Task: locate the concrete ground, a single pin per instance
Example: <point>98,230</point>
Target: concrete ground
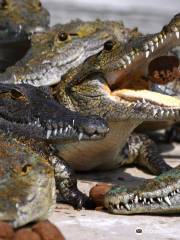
<point>86,225</point>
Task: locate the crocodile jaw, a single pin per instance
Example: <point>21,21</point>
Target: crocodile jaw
<point>156,196</point>
<point>99,155</point>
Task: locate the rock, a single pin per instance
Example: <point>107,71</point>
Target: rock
<point>98,192</point>
<point>26,234</point>
<point>6,230</point>
<point>47,231</point>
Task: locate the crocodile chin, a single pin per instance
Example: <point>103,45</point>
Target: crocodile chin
<point>158,196</point>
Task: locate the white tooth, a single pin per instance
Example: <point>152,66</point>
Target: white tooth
<point>166,199</point>
<point>66,130</point>
<point>121,207</point>
<point>159,199</point>
<point>144,200</point>
<point>157,44</point>
<point>147,54</point>
<point>155,111</point>
<point>73,122</point>
<point>152,48</point>
<point>80,136</point>
<point>127,207</point>
<point>124,66</point>
<point>48,133</point>
<point>177,190</point>
<point>60,130</point>
<point>128,59</point>
<point>162,40</point>
<point>146,47</point>
<point>151,200</point>
<point>177,34</point>
<point>162,112</point>
<point>55,132</point>
<point>136,199</point>
<point>122,61</point>
<point>117,205</point>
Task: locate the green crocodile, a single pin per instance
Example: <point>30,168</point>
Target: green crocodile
<point>62,47</point>
<point>98,83</point>
<point>28,167</point>
<point>18,20</point>
<point>102,85</point>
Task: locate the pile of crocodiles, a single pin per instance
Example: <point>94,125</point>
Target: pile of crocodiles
<point>72,100</point>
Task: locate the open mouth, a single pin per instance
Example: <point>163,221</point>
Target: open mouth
<point>144,65</point>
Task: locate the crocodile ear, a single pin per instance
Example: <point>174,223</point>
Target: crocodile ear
<point>46,90</point>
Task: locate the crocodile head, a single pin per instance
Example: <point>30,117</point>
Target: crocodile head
<point>17,16</point>
<point>63,47</point>
<point>31,112</point>
<point>109,84</point>
<point>160,196</point>
<point>27,186</point>
<point>18,20</point>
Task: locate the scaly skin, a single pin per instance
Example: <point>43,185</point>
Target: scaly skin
<point>22,117</point>
<point>55,122</point>
<point>90,88</point>
<point>160,195</point>
<point>27,187</point>
<point>102,85</point>
<point>18,20</point>
<point>63,47</point>
<point>22,15</point>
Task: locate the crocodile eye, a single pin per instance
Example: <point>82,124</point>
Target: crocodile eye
<point>26,169</point>
<point>62,36</point>
<point>16,95</point>
<point>3,4</point>
<point>36,4</point>
<point>108,45</point>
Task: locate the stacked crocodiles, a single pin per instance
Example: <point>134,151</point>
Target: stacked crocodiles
<point>71,99</point>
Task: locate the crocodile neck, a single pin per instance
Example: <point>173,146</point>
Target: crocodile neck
<point>102,154</point>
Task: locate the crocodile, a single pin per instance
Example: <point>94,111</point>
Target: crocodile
<point>62,47</point>
<point>19,19</point>
<point>28,164</point>
<point>107,86</point>
<point>160,195</point>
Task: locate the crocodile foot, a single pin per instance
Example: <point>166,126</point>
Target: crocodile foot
<point>77,199</point>
<point>156,196</point>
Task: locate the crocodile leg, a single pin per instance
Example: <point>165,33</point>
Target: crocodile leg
<point>173,134</point>
<point>143,152</point>
<point>66,184</point>
<point>159,196</point>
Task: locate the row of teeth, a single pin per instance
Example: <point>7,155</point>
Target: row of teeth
<point>146,201</point>
<point>58,131</point>
<point>158,110</point>
<point>149,47</point>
